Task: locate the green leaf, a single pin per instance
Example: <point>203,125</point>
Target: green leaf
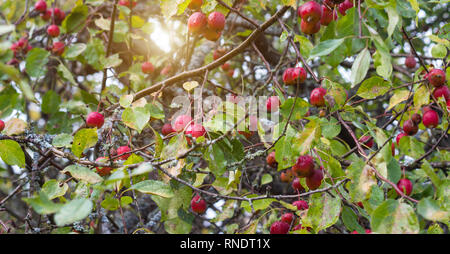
<point>394,217</point>
<point>350,220</point>
<point>411,146</point>
<point>50,102</point>
<point>373,87</point>
<point>136,118</point>
<point>83,174</point>
<point>394,170</point>
<point>35,62</point>
<point>303,143</point>
<point>426,166</point>
<point>360,67</point>
<point>305,45</point>
<point>259,204</point>
<point>66,74</point>
<point>323,212</point>
<point>76,19</point>
<point>422,96</point>
<point>430,210</point>
<point>266,178</point>
<point>393,19</point>
<point>4,29</point>
<point>73,211</point>
<point>439,51</point>
<point>399,96</point>
<point>62,140</point>
<point>111,61</point>
<point>154,188</point>
<point>300,109</point>
<point>11,153</point>
<point>74,50</point>
<point>325,48</point>
<point>362,180</point>
<point>84,139</point>
<point>216,159</point>
<point>42,204</point>
<point>52,189</point>
<point>126,100</point>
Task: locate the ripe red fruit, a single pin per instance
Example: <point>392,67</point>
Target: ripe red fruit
<point>410,128</point>
<point>195,130</point>
<point>103,171</point>
<point>181,121</point>
<point>147,67</point>
<point>304,166</point>
<point>363,140</point>
<point>288,218</point>
<point>327,15</point>
<point>393,148</point>
<point>58,48</point>
<point>13,62</point>
<point>59,15</point>
<point>270,159</point>
<point>293,76</point>
<point>301,204</point>
<point>127,3</point>
<point>416,118</point>
<point>123,152</point>
<point>230,73</point>
<point>46,15</point>
<point>198,205</point>
<point>313,182</point>
<point>430,119</point>
<point>211,35</point>
<point>360,204</point>
<point>343,7</point>
<point>436,77</point>
<point>246,134</point>
<point>286,176</point>
<point>317,97</point>
<point>309,28</point>
<point>53,30</point>
<point>410,62</point>
<point>197,22</point>
<point>425,109</point>
<point>2,125</point>
<point>195,4</point>
<point>279,227</point>
<point>166,70</point>
<point>296,185</point>
<point>400,136</point>
<point>441,91</point>
<point>368,231</point>
<point>354,232</point>
<point>40,6</point>
<point>225,66</point>
<point>310,12</point>
<point>272,104</point>
<point>167,129</point>
<point>218,53</point>
<point>216,21</point>
<point>95,119</point>
<point>404,185</point>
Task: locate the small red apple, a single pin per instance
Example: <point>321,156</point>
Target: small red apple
<point>309,28</point>
<point>58,48</point>
<point>410,62</point>
<point>198,205</point>
<point>441,91</point>
<point>180,122</point>
<point>410,128</point>
<point>315,180</point>
<point>195,130</point>
<point>46,15</point>
<point>416,118</point>
<point>123,152</point>
<point>147,68</point>
<point>286,176</point>
<point>293,76</point>
<point>216,21</point>
<point>271,161</point>
<point>53,30</point>
<point>40,6</point>
<point>197,22</point>
<point>430,119</point>
<point>211,35</point>
<point>279,227</point>
<point>317,97</point>
<point>304,166</point>
<point>272,104</point>
<point>2,125</point>
<point>436,77</point>
<point>296,185</point>
<point>288,218</point>
<point>301,204</point>
<point>405,185</point>
<point>400,136</point>
<point>343,7</point>
<point>310,12</point>
<point>103,171</point>
<point>327,15</point>
<point>95,119</point>
<point>167,129</point>
<point>363,140</point>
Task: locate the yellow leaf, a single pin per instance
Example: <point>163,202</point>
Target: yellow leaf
<point>15,126</point>
<point>399,96</point>
<point>188,86</point>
